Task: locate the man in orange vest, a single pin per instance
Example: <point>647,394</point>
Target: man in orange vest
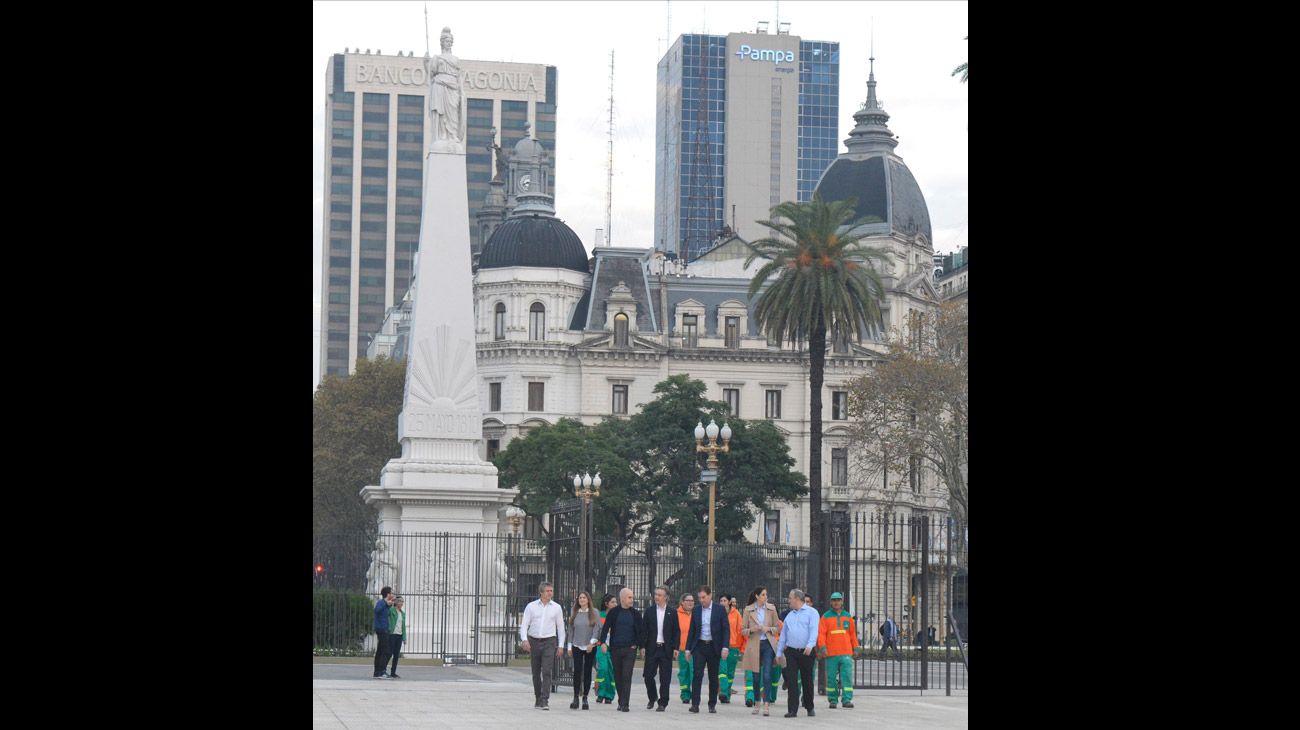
<point>728,671</point>
<point>836,638</point>
<point>685,668</point>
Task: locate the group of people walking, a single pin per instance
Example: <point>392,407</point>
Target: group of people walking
<point>704,636</point>
<point>390,627</point>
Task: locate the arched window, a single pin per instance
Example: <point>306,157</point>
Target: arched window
<point>537,322</point>
<point>499,326</point>
<point>620,330</point>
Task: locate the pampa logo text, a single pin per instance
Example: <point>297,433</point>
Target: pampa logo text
<point>755,54</point>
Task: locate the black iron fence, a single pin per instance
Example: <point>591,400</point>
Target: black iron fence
<point>465,593</point>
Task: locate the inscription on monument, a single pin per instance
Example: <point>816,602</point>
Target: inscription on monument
<point>427,423</point>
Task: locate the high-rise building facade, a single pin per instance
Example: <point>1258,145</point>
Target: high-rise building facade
<point>375,145</point>
<point>743,122</point>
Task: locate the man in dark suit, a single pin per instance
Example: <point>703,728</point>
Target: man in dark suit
<point>622,634</point>
<point>706,645</point>
<point>889,636</point>
<point>662,635</point>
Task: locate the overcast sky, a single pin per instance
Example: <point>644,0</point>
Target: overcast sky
<point>917,44</point>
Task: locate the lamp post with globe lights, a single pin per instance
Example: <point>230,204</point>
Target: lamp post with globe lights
<point>586,488</point>
<point>516,517</point>
<point>710,473</point>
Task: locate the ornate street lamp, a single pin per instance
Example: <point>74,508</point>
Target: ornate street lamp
<point>710,474</point>
<point>586,488</point>
<point>516,517</point>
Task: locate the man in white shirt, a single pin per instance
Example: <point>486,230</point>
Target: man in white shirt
<point>662,636</point>
<point>542,631</point>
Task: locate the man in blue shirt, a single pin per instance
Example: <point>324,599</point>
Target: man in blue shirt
<point>708,640</point>
<point>799,634</point>
<point>382,651</point>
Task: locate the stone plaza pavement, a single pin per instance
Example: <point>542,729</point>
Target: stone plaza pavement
<point>345,696</point>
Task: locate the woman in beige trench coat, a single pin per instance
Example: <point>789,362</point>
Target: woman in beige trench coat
<point>759,624</point>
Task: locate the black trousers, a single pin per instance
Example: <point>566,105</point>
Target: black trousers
<point>395,648</point>
<point>658,660</point>
<point>582,664</point>
<point>799,671</point>
<point>624,658</point>
<point>382,648</point>
<point>706,655</point>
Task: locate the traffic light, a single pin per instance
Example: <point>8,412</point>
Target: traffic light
<point>913,597</point>
<point>320,571</point>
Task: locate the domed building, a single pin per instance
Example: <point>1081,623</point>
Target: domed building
<point>532,275</point>
<point>871,173</point>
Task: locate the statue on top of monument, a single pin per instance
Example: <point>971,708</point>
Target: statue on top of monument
<point>446,102</point>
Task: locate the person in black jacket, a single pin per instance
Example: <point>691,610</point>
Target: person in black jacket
<point>661,636</point>
<point>622,634</point>
<point>707,645</point>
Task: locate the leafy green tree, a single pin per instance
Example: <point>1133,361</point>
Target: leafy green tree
<point>757,472</point>
<point>354,434</point>
<point>650,471</point>
<point>542,464</point>
<point>823,276</point>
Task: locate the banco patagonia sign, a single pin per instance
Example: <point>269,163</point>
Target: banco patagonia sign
<point>408,76</point>
<point>755,54</point>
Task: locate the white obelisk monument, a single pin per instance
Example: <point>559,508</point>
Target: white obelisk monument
<point>439,484</point>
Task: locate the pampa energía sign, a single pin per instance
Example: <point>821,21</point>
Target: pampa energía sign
<point>757,54</point>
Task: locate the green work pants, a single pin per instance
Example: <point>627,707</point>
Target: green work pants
<point>604,674</point>
<point>839,673</point>
<point>685,675</point>
<point>728,671</point>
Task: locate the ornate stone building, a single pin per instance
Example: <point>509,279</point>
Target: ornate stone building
<point>561,334</point>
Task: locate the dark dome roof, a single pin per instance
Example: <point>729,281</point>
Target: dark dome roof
<point>534,240</point>
<point>884,187</point>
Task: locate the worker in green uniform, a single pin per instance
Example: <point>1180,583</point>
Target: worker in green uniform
<point>685,667</point>
<point>727,673</point>
<point>837,637</point>
<point>605,690</point>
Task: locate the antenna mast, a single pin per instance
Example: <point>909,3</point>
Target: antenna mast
<point>609,160</point>
<point>668,26</point>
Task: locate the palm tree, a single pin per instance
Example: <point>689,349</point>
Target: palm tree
<point>962,68</point>
<point>825,277</point>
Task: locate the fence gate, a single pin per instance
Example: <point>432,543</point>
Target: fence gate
<point>455,587</point>
<point>564,552</point>
<point>903,569</point>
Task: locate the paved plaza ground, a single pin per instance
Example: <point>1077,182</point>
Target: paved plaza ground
<point>345,696</point>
